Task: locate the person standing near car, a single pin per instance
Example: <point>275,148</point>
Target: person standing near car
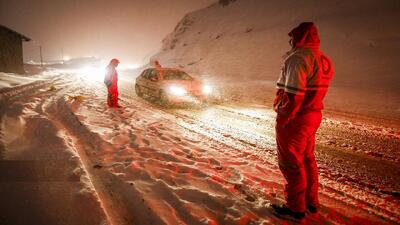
<point>302,86</point>
<point>157,64</point>
<point>111,81</point>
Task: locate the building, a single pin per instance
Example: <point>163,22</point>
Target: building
<point>11,60</point>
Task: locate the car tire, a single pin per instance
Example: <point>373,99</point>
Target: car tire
<point>138,91</point>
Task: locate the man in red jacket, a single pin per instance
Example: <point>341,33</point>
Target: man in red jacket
<point>111,81</point>
<point>302,86</point>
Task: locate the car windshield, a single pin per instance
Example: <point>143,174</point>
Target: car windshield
<point>176,75</point>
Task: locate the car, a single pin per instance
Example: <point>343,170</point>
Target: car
<point>170,85</point>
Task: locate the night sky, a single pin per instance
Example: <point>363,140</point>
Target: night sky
<point>131,30</point>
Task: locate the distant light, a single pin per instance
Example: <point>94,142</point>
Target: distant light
<point>66,58</point>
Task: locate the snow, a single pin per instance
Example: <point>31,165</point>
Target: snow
<point>45,173</point>
<point>83,163</point>
<point>12,80</point>
<point>148,164</point>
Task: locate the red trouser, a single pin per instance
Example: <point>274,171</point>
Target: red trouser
<point>295,144</point>
<point>112,98</point>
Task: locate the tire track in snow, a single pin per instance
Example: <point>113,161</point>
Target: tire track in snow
<point>239,139</point>
<point>362,197</point>
<point>116,196</point>
<point>154,154</point>
<point>54,171</point>
<point>9,95</point>
<point>370,200</point>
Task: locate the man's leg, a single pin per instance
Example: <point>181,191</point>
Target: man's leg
<point>291,144</point>
<point>109,99</point>
<point>311,170</point>
<point>295,188</point>
<point>115,98</point>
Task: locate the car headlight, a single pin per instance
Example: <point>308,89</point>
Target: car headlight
<point>178,91</point>
<point>207,89</point>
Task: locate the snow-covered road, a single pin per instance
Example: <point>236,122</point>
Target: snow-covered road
<point>66,161</point>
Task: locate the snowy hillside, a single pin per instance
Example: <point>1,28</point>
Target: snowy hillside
<point>246,39</point>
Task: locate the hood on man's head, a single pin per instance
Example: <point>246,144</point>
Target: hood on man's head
<point>305,35</point>
<point>114,61</point>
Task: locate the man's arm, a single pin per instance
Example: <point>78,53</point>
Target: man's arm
<point>292,89</point>
<point>289,107</point>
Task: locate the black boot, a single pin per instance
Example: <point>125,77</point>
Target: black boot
<point>284,212</point>
<point>312,209</point>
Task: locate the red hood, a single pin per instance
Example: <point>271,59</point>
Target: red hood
<point>305,36</point>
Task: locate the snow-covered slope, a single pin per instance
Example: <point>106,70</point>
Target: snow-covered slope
<point>247,39</point>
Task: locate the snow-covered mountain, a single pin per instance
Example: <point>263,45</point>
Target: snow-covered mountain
<point>246,39</point>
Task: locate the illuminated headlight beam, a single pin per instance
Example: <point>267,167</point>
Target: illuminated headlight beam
<point>178,91</point>
<point>207,89</point>
<point>91,73</point>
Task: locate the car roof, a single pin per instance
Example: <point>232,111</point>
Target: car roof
<point>164,68</point>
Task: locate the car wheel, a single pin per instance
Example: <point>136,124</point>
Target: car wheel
<point>138,91</point>
<point>163,98</point>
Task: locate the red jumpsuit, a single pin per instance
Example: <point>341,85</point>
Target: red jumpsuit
<point>302,86</point>
<point>112,98</point>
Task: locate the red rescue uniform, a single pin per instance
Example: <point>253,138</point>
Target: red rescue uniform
<point>302,86</point>
<point>111,80</point>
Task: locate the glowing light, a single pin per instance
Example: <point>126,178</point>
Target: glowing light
<point>207,89</point>
<point>178,91</point>
<point>66,58</point>
<point>91,73</point>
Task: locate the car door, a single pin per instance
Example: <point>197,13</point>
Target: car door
<point>141,81</point>
<point>152,82</point>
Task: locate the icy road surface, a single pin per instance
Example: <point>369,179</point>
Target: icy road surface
<point>67,160</point>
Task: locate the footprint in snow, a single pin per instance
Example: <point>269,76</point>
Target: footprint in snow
<point>144,141</point>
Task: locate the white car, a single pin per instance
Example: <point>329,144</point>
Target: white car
<point>170,85</point>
